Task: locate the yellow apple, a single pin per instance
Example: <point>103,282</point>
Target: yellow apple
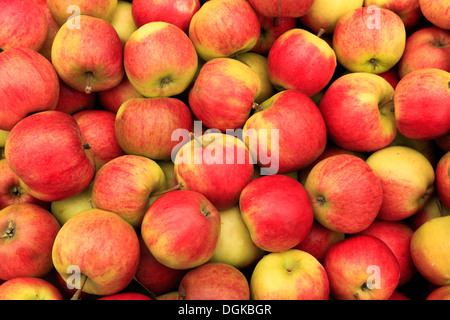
<point>122,21</point>
<point>64,209</point>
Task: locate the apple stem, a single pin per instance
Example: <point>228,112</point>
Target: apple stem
<point>256,106</point>
<point>321,32</point>
<point>176,187</point>
<point>238,57</point>
<point>88,88</point>
<point>77,294</point>
<point>151,294</point>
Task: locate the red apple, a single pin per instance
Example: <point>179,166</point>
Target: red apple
<point>223,93</point>
<point>99,250</point>
<point>290,68</point>
<point>53,27</point>
<point>397,235</point>
<point>181,229</point>
<point>440,293</point>
<point>177,12</point>
<point>277,211</point>
<point>95,51</point>
<point>358,112</point>
<point>27,233</point>
<point>436,12</point>
<point>113,98</point>
<point>289,275</point>
<point>286,133</point>
<point>98,127</point>
<point>63,10</point>
<point>366,40</point>
<point>214,281</point>
<point>124,185</point>
<point>10,190</point>
<point>319,240</point>
<point>29,288</point>
<point>430,250</point>
<point>22,24</point>
<point>153,275</point>
<point>408,10</point>
<point>391,76</point>
<point>48,154</point>
<point>443,179</point>
<point>144,126</point>
<point>271,29</point>
<point>286,8</point>
<point>71,100</point>
<point>361,268</point>
<point>224,28</point>
<point>422,104</point>
<point>345,193</point>
<point>126,296</point>
<point>398,296</point>
<point>28,82</point>
<point>426,48</point>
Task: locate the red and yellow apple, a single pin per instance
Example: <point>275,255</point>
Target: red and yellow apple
<point>442,172</point>
<point>285,8</point>
<point>63,10</point>
<point>29,288</point>
<point>408,10</point>
<point>437,12</point>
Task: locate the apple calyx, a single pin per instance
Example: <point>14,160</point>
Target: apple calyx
<point>86,146</point>
<point>165,81</point>
<point>321,200</point>
<point>16,191</point>
<point>364,287</point>
<point>205,212</point>
<point>10,231</point>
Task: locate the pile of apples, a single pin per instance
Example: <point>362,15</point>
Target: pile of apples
<point>225,149</point>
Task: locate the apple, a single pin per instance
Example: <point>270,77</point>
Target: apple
<point>358,109</point>
<point>172,295</point>
<point>430,250</point>
<point>286,8</point>
<point>399,296</point>
<point>29,288</point>
<point>95,52</point>
<point>65,209</point>
<point>223,93</point>
<point>48,154</point>
<point>436,12</point>
<point>397,235</point>
<point>408,10</point>
<point>407,179</point>
<point>319,240</point>
<point>98,127</point>
<point>443,179</point>
<point>174,60</point>
<point>168,167</point>
<point>154,276</point>
<point>426,48</point>
<point>177,12</point>
<point>426,147</point>
<point>440,293</point>
<point>144,126</point>
<point>235,245</point>
<point>366,40</point>
<point>112,99</point>
<point>289,275</point>
<point>27,232</point>
<point>99,250</point>
<point>23,24</point>
<point>432,209</point>
<point>361,267</point>
<point>28,82</point>
<point>124,185</point>
<point>258,63</point>
<point>3,136</point>
<point>286,133</point>
<point>53,27</point>
<point>271,29</point>
<point>122,20</point>
<point>391,76</point>
<point>11,191</point>
<point>63,10</point>
<point>129,296</point>
<point>214,281</point>
<point>277,212</point>
<point>71,100</point>
<point>290,68</point>
<point>425,114</point>
<point>181,229</point>
<point>345,193</point>
<point>324,14</point>
<point>234,29</point>
<point>216,165</point>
